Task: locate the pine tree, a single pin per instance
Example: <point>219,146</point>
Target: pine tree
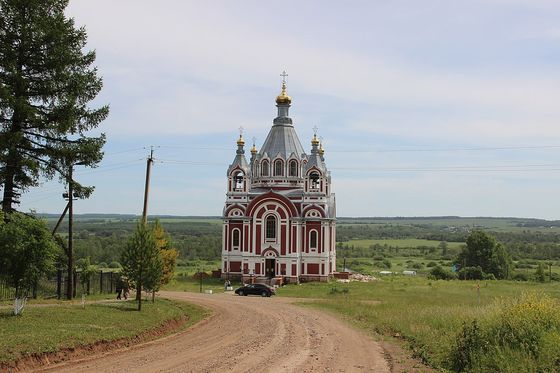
<point>141,261</point>
<point>46,83</point>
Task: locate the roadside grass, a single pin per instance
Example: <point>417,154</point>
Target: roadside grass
<point>427,314</point>
<point>48,329</point>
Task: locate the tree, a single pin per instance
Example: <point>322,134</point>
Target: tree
<point>168,256</point>
<point>141,261</point>
<point>46,82</point>
<point>483,251</point>
<point>443,246</point>
<point>539,273</point>
<point>27,250</point>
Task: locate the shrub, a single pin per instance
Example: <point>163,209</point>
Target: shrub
<point>439,273</point>
<point>520,276</point>
<point>431,264</point>
<point>471,273</point>
<point>115,265</point>
<point>102,265</point>
<point>523,332</point>
<point>417,266</point>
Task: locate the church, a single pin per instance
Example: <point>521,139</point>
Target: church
<point>279,218</point>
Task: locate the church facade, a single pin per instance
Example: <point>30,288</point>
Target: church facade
<point>279,218</point>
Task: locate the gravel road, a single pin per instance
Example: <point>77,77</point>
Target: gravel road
<point>247,334</point>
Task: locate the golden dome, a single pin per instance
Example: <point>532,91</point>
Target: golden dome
<point>315,140</point>
<point>240,142</point>
<point>283,98</point>
<point>321,150</point>
<point>254,149</point>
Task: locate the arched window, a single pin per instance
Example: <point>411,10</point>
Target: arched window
<point>235,239</point>
<point>238,179</point>
<point>279,168</point>
<point>293,168</point>
<point>313,239</point>
<point>270,227</point>
<point>264,168</point>
<point>314,178</point>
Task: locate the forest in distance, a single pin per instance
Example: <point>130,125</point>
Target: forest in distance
<point>101,237</point>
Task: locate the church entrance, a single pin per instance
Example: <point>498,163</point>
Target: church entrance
<point>269,268</point>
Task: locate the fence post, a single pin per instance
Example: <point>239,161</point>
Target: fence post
<point>100,281</point>
<point>111,282</point>
<point>34,290</point>
<point>59,283</point>
<point>75,278</point>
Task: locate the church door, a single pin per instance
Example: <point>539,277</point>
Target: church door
<point>270,266</point>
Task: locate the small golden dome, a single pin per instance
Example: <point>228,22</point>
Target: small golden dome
<point>315,140</point>
<point>321,150</point>
<point>254,149</point>
<point>240,142</point>
<point>283,98</point>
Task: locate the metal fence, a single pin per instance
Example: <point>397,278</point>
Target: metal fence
<point>55,286</point>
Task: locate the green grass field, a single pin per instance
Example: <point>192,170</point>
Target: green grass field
<point>427,314</point>
<point>48,329</point>
<point>401,243</point>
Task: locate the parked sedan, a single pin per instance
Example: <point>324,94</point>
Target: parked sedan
<point>256,289</point>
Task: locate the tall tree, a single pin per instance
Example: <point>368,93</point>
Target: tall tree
<point>46,83</point>
<point>483,251</point>
<point>141,260</point>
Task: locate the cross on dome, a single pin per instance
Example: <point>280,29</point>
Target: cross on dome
<point>284,75</point>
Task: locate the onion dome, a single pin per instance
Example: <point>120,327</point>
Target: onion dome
<point>240,142</point>
<point>254,149</point>
<point>315,140</point>
<point>321,150</point>
<point>283,98</point>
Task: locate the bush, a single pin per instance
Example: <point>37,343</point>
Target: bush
<point>471,273</point>
<point>523,332</point>
<point>417,266</point>
<point>431,264</point>
<point>439,273</point>
<point>102,265</point>
<point>115,265</point>
<point>520,276</point>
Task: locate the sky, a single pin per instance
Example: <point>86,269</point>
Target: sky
<point>425,108</point>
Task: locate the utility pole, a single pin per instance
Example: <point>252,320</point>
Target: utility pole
<point>149,163</point>
<point>70,196</point>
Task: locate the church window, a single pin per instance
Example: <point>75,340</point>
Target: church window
<point>238,179</point>
<point>235,239</point>
<point>293,168</point>
<point>313,239</point>
<point>270,227</point>
<point>314,177</point>
<point>264,168</point>
<point>278,168</point>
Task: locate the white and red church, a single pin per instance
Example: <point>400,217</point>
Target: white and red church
<point>280,214</point>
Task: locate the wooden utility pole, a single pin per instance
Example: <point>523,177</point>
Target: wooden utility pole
<point>149,163</point>
<point>70,287</point>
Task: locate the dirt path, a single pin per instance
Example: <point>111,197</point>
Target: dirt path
<point>248,334</point>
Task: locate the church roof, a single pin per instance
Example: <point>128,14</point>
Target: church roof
<point>282,140</point>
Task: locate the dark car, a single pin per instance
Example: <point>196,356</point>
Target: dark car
<point>256,289</point>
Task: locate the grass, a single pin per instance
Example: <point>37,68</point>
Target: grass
<point>428,314</point>
<point>48,329</point>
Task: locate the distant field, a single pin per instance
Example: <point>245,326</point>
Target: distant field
<point>401,243</point>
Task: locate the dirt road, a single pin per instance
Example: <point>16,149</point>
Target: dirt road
<point>248,334</point>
